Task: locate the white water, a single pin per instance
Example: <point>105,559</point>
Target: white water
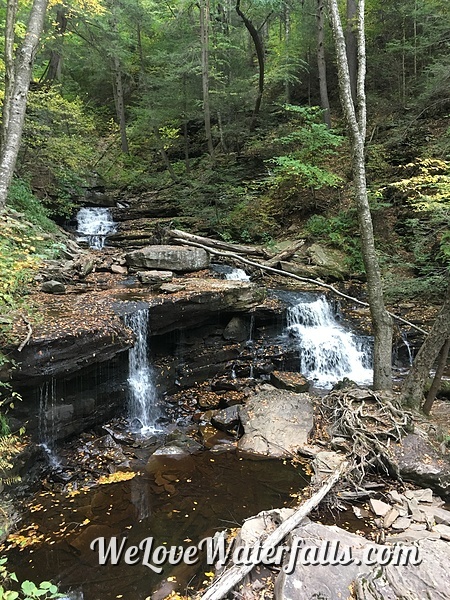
<point>237,275</point>
<point>94,225</point>
<point>328,351</point>
<point>47,421</point>
<point>142,390</point>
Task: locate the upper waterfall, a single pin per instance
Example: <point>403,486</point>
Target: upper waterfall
<point>94,225</point>
<point>328,351</point>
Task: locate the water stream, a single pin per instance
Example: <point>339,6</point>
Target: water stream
<point>328,351</point>
<point>143,407</point>
<point>94,225</point>
<point>47,421</point>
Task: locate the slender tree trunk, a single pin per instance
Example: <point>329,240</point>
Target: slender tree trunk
<point>287,41</point>
<point>356,123</point>
<point>204,35</point>
<point>259,47</point>
<point>18,100</point>
<point>321,63</point>
<point>11,11</point>
<point>163,153</point>
<point>414,384</point>
<point>351,44</point>
<point>442,363</point>
<point>53,71</point>
<point>120,104</point>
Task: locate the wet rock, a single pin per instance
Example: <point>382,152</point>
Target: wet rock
<point>53,287</point>
<point>181,440</point>
<point>172,288</point>
<point>276,422</point>
<point>293,382</point>
<point>415,459</point>
<point>154,278</point>
<point>175,258</point>
<point>227,418</point>
<point>236,330</point>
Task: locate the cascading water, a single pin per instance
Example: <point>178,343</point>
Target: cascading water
<point>94,225</point>
<point>142,390</point>
<point>328,352</point>
<point>47,420</point>
<point>237,275</point>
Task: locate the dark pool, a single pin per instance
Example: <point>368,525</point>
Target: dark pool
<point>176,500</point>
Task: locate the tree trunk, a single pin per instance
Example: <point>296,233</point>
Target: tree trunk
<point>53,71</point>
<point>163,153</point>
<point>11,11</point>
<point>204,35</point>
<point>414,384</point>
<point>287,41</point>
<point>259,47</point>
<point>431,396</point>
<point>18,100</point>
<point>356,123</point>
<point>321,63</point>
<point>351,44</point>
<point>120,104</point>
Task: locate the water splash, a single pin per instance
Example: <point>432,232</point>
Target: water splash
<point>47,421</point>
<point>143,396</point>
<point>237,275</point>
<point>94,225</point>
<point>328,352</point>
<point>408,347</point>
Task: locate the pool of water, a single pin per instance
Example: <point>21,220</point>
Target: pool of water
<point>175,499</point>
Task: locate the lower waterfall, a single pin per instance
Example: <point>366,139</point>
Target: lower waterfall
<point>328,351</point>
<point>143,397</point>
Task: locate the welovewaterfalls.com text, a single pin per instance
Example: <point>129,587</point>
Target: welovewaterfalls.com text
<point>218,552</point>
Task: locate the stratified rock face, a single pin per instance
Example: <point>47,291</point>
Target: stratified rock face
<point>173,258</point>
<point>276,423</point>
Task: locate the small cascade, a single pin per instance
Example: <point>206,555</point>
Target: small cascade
<point>237,275</point>
<point>94,225</point>
<point>47,420</point>
<point>328,352</point>
<point>142,390</point>
<point>408,347</point>
<point>250,344</point>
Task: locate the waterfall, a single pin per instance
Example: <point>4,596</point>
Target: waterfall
<point>47,420</point>
<point>94,225</point>
<point>142,390</point>
<point>237,275</point>
<point>328,351</point>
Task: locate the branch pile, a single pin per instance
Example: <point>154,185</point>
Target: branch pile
<point>369,422</point>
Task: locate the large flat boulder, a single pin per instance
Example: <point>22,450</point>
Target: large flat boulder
<point>429,579</point>
<point>416,460</point>
<point>276,422</point>
<point>182,259</point>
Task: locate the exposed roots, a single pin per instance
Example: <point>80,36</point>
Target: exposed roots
<point>369,422</point>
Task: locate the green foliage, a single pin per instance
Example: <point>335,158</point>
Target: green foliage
<point>340,231</point>
<point>26,590</point>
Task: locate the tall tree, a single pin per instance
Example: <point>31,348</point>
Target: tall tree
<point>351,44</point>
<point>23,67</point>
<point>356,124</point>
<point>204,36</point>
<point>259,47</point>
<point>11,11</point>
<point>321,63</point>
<point>414,384</point>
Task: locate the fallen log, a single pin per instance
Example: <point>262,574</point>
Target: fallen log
<point>317,282</point>
<point>210,243</point>
<point>285,255</point>
<point>230,578</point>
<point>29,334</point>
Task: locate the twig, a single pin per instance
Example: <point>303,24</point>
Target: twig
<point>235,574</point>
<point>317,282</point>
<point>29,334</point>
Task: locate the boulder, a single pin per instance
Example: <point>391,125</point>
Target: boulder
<point>332,261</point>
<point>119,269</point>
<point>175,258</point>
<point>276,423</point>
<point>227,418</point>
<point>236,330</point>
<point>429,579</point>
<point>416,460</point>
<point>294,382</point>
<point>53,287</point>
<point>154,278</point>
